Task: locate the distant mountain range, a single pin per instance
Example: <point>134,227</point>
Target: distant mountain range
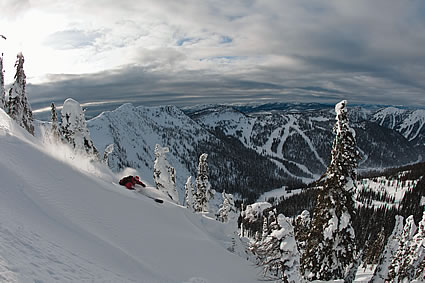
<point>255,148</point>
<point>409,123</point>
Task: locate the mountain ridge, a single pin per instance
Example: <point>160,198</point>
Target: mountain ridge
<point>295,145</point>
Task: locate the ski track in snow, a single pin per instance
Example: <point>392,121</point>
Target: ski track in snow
<point>268,145</point>
<point>417,117</point>
<point>283,133</point>
<point>310,144</point>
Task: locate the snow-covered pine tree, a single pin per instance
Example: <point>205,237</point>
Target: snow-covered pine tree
<point>55,133</point>
<point>193,197</point>
<point>290,258</point>
<point>203,187</point>
<point>302,229</point>
<point>381,271</point>
<point>265,231</point>
<point>278,253</point>
<point>375,249</point>
<point>266,248</point>
<point>188,188</point>
<point>107,153</point>
<point>227,207</point>
<point>241,216</point>
<point>2,89</point>
<point>330,246</point>
<point>417,262</point>
<point>403,252</point>
<point>19,108</point>
<point>412,266</point>
<point>74,129</point>
<point>164,174</point>
<point>251,217</point>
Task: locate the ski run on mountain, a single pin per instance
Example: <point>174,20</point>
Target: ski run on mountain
<point>247,193</point>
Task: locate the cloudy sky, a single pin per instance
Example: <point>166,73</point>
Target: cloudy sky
<point>186,52</point>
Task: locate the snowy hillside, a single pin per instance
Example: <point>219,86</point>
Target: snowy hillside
<point>250,153</point>
<point>68,221</point>
<point>300,141</point>
<point>134,132</point>
<point>387,191</point>
<point>410,123</point>
<point>232,122</point>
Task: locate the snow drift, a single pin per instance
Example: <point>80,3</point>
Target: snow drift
<point>61,223</point>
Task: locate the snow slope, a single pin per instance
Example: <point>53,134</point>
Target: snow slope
<point>299,142</point>
<point>266,133</point>
<point>70,222</point>
<point>409,123</point>
<point>134,132</point>
<point>391,187</point>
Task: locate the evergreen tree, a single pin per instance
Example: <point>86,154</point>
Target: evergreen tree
<point>188,188</point>
<point>381,271</point>
<point>164,174</point>
<point>241,227</point>
<point>3,103</point>
<point>251,217</point>
<point>402,254</point>
<point>330,247</point>
<point>265,231</point>
<point>302,229</point>
<point>74,128</point>
<point>54,128</point>
<point>203,187</point>
<point>417,262</point>
<point>19,108</point>
<point>374,250</point>
<point>412,265</point>
<point>227,207</point>
<point>344,153</point>
<point>278,253</point>
<point>107,153</point>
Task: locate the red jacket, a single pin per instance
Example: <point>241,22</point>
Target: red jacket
<point>129,182</point>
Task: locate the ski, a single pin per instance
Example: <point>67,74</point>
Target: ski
<point>155,199</point>
<point>148,196</point>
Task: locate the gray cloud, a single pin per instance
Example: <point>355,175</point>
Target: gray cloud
<point>159,58</point>
<point>190,52</point>
<point>141,86</point>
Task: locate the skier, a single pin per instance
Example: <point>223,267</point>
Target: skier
<point>129,182</point>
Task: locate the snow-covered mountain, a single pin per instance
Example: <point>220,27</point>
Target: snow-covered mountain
<point>250,152</point>
<point>134,132</point>
<point>64,217</point>
<point>67,220</point>
<point>300,141</point>
<point>410,123</point>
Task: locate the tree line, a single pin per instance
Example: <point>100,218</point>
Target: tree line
<point>343,232</point>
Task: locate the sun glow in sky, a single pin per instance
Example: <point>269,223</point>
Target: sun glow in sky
<point>52,43</point>
<point>217,50</point>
